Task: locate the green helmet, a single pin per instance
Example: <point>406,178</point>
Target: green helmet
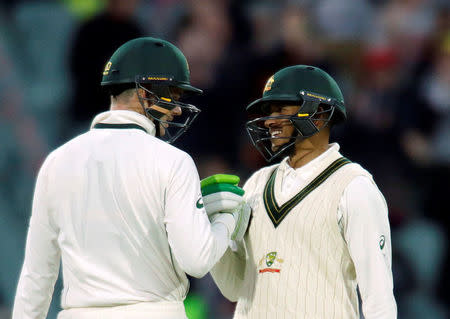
<point>306,86</point>
<point>157,67</point>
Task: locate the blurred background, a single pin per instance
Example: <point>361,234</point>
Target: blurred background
<point>390,57</point>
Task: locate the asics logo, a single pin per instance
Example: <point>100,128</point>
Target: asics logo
<point>199,203</point>
<point>382,242</point>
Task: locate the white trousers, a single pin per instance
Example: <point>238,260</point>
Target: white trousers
<point>142,310</point>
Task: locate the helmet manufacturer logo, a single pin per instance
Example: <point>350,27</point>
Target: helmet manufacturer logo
<point>269,83</point>
<point>107,68</point>
<point>158,78</point>
<point>316,96</point>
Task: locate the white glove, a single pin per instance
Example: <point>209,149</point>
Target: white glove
<point>221,193</point>
<point>242,217</point>
<point>222,196</point>
<point>221,202</point>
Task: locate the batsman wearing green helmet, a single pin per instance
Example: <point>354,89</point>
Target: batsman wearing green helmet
<point>159,81</point>
<point>122,209</point>
<point>319,227</point>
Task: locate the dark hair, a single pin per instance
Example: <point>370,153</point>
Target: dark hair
<point>116,90</point>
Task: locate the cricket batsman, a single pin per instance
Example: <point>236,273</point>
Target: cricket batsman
<point>121,208</point>
<point>319,227</point>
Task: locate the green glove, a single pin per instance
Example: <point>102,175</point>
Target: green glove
<point>221,193</point>
<point>220,179</point>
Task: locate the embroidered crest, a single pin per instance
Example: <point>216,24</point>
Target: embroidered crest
<point>270,260</point>
<point>269,83</point>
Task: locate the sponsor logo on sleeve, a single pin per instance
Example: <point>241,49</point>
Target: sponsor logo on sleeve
<point>199,203</point>
<point>382,242</point>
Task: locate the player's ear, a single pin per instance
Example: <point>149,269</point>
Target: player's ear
<point>141,92</point>
<point>146,94</point>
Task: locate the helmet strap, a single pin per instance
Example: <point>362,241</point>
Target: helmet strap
<point>306,126</point>
<point>158,129</point>
<point>147,112</point>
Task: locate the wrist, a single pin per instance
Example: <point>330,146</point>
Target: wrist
<point>225,219</point>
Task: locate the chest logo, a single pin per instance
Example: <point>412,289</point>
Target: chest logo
<point>270,263</point>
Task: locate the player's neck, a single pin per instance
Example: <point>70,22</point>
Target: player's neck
<point>306,151</point>
<point>135,107</point>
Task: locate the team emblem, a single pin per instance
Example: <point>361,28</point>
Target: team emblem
<point>270,258</point>
<point>271,261</point>
<point>107,68</point>
<point>269,83</point>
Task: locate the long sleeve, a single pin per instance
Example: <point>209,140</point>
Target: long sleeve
<point>42,258</point>
<point>228,273</point>
<point>366,230</point>
<point>197,245</point>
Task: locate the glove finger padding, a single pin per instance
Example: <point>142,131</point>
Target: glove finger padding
<point>221,202</point>
<point>242,217</point>
<point>220,179</point>
<point>221,187</point>
<point>221,194</point>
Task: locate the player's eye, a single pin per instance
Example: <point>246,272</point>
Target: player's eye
<point>275,109</point>
<point>289,109</point>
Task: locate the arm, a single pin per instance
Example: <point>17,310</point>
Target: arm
<point>228,273</point>
<point>197,245</point>
<point>367,233</point>
<point>42,258</point>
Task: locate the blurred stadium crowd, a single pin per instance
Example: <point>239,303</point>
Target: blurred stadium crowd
<point>391,58</point>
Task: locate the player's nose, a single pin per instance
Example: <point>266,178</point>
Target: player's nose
<point>176,110</point>
<point>270,121</point>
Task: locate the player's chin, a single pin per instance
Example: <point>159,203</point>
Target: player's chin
<point>278,143</point>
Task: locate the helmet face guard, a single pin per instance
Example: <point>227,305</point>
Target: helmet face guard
<point>303,122</point>
<point>171,117</point>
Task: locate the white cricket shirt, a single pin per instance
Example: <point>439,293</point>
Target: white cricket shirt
<point>362,216</point>
<point>123,211</point>
<point>362,220</point>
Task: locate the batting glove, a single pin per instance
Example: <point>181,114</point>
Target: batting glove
<point>221,193</point>
<point>242,217</point>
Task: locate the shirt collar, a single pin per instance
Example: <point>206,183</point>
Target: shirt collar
<point>125,117</point>
<point>311,167</point>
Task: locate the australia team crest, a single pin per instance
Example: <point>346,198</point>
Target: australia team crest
<point>270,263</point>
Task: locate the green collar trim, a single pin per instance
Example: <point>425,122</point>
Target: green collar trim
<point>120,126</point>
<point>277,213</point>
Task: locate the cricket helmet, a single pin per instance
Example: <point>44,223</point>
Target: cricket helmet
<point>306,86</point>
<point>158,67</point>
